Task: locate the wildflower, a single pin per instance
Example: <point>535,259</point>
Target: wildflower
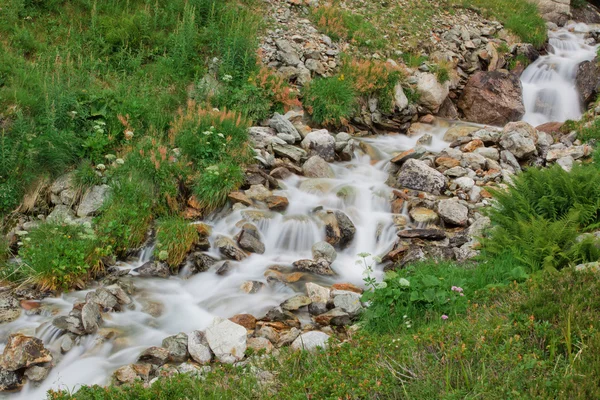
<point>381,285</point>
<point>120,161</point>
<point>227,78</point>
<point>220,135</point>
<point>163,255</point>
<point>128,134</point>
<point>100,167</point>
<point>110,157</point>
<point>444,317</point>
<point>404,282</point>
<point>206,132</point>
<point>456,289</point>
<point>341,78</point>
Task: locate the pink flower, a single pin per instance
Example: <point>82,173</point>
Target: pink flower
<point>456,289</point>
<point>444,317</point>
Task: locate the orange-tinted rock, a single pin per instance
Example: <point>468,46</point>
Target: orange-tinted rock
<point>347,286</point>
<point>277,203</point>
<point>192,213</point>
<point>427,119</point>
<point>246,320</point>
<point>472,145</point>
<point>240,197</point>
<point>397,206</point>
<point>203,229</point>
<point>550,127</point>
<point>30,304</point>
<point>447,162</point>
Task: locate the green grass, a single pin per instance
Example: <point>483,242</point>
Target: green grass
<point>174,240</point>
<point>330,101</point>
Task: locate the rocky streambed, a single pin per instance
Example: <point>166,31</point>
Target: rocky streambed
<point>277,266</point>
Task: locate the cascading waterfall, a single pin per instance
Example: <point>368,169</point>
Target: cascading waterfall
<point>549,91</point>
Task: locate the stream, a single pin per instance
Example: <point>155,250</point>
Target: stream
<point>164,307</point>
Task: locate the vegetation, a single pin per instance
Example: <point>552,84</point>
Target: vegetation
<point>330,101</point>
<point>174,240</point>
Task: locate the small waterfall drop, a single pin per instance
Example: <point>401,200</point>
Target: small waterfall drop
<point>549,91</point>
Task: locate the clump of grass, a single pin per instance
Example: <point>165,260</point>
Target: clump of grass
<point>330,101</point>
<point>174,239</point>
<point>215,183</point>
<point>60,256</point>
<point>413,60</point>
<point>539,217</point>
<point>442,72</point>
<point>589,131</point>
<point>86,176</point>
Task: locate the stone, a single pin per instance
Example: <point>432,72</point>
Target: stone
<point>400,99</point>
<point>310,341</point>
<point>556,11</point>
<point>489,152</point>
<point>287,53</point>
<point>324,251</point>
<point>198,347</point>
<point>294,153</point>
<point>36,373</point>
<point>349,287</point>
<point>317,293</point>
<point>260,345</point>
<point>588,81</point>
<point>250,242</point>
<point>453,212</point>
<point>258,192</point>
<point>251,287</point>
<point>459,131</point>
<point>339,229</point>
<point>227,340</point>
<point>335,317</point>
<point>277,203</point>
<point>228,248</point>
<point>320,143</point>
<point>415,153</point>
<point>10,308</point>
<point>61,214</point>
<point>492,98</point>
<point>283,125</point>
<point>104,299</point>
<point>92,200</point>
<point>261,137</point>
<point>317,308</point>
<point>520,139</point>
<point>296,302</point>
<point>431,93</point>
<point>280,173</point>
<point>473,160</point>
<point>248,321</point>
<point>417,175</point>
<point>566,163</point>
<point>177,346</point>
<point>347,301</point>
<point>10,380</point>
<point>428,234</point>
<point>240,197</point>
<point>318,267</point>
<point>90,317</point>
<point>153,269</point>
<point>201,262</point>
<point>63,182</point>
<point>465,183</point>
<point>550,127</point>
<point>316,167</point>
<point>120,294</point>
<point>285,338</point>
<point>423,215</point>
<point>154,355</point>
<point>23,351</point>
<point>131,373</point>
<point>268,333</point>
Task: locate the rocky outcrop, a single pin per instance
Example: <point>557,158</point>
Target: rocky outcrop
<point>557,11</point>
<point>492,98</point>
<point>588,81</point>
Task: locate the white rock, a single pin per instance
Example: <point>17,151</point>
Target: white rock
<point>432,93</point>
<point>320,143</point>
<point>400,98</point>
<point>317,293</point>
<point>198,347</point>
<point>227,340</point>
<point>310,341</point>
<point>92,200</point>
<point>348,301</point>
<point>453,212</point>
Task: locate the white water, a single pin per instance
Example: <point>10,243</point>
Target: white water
<point>549,91</point>
<point>191,304</point>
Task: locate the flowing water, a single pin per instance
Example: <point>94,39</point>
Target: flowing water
<point>549,91</point>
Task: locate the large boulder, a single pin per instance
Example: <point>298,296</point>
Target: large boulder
<point>23,351</point>
<point>339,229</point>
<point>228,248</point>
<point>311,341</point>
<point>431,93</point>
<point>453,212</point>
<point>283,125</point>
<point>557,11</point>
<point>92,200</point>
<point>177,346</point>
<point>492,98</point>
<point>227,340</point>
<point>588,81</point>
<point>320,143</point>
<point>520,139</point>
<point>316,167</point>
<point>417,175</point>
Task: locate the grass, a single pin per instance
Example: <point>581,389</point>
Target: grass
<point>175,238</point>
<point>330,101</point>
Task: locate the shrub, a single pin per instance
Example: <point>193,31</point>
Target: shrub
<point>341,24</point>
<point>330,101</point>
<point>374,79</point>
<point>86,176</point>
<point>539,216</point>
<point>174,239</point>
<point>60,256</point>
<point>215,183</point>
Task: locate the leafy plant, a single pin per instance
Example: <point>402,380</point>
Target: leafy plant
<point>330,101</point>
<point>174,239</point>
<point>215,183</point>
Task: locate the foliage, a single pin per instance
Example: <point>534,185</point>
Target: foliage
<point>86,176</point>
<point>539,216</point>
<point>215,183</point>
<point>442,72</point>
<point>413,60</point>
<point>330,101</point>
<point>60,256</point>
<point>175,237</point>
<point>589,131</point>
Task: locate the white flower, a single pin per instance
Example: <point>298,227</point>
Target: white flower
<point>120,161</point>
<point>381,285</point>
<point>128,134</point>
<point>206,132</point>
<point>220,135</point>
<point>100,167</point>
<point>227,78</point>
<point>110,157</point>
<point>404,282</point>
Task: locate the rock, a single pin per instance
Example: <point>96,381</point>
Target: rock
<point>520,139</point>
<point>588,81</point>
<point>92,200</point>
<point>61,215</point>
<point>417,175</point>
<point>154,269</point>
<point>63,182</point>
<point>349,287</point>
<point>317,308</point>
<point>268,333</point>
<point>317,293</point>
<point>251,287</point>
<point>90,317</point>
<point>10,308</point>
<point>261,137</point>
<point>550,127</point>
<point>335,317</point>
<point>325,251</point>
<point>493,98</point>
<point>10,380</point>
<point>246,320</point>
<point>240,197</point>
<point>285,338</point>
<point>260,345</point>
<point>201,262</point>
<point>229,248</point>
<point>448,110</point>
<point>23,351</point>
<point>120,294</point>
<point>177,346</point>
<point>319,267</point>
<point>280,173</point>
<point>474,161</point>
<point>104,298</point>
<point>416,153</point>
<point>465,183</point>
<point>557,11</point>
<point>311,341</point>
<point>431,93</point>
<point>339,229</point>
<point>320,143</point>
<point>316,167</point>
<point>566,163</point>
<point>36,373</point>
<point>154,355</point>
<point>71,323</point>
<point>283,125</point>
<point>400,99</point>
<point>423,215</point>
<point>249,242</point>
<point>258,192</point>
<point>277,203</point>
<point>227,340</point>
<point>287,53</point>
<point>131,373</point>
<point>459,131</point>
<point>488,152</point>
<point>296,302</point>
<point>453,212</point>
<point>198,348</point>
<point>428,234</point>
<point>294,153</point>
<point>347,301</point>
